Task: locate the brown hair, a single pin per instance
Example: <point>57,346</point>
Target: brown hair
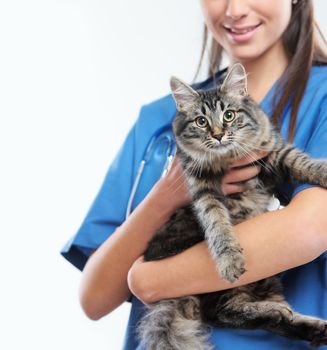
<point>305,45</point>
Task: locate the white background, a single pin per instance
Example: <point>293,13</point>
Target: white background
<point>73,75</point>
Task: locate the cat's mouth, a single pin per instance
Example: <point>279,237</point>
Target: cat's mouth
<point>218,145</point>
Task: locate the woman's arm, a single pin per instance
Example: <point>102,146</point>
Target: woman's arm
<point>104,279</point>
<point>273,242</point>
<point>103,286</point>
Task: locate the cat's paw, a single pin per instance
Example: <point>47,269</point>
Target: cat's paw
<point>311,328</point>
<point>320,334</point>
<point>231,265</point>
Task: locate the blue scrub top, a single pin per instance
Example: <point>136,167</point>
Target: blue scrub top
<point>304,287</point>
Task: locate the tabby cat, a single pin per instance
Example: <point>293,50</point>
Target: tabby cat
<point>213,129</point>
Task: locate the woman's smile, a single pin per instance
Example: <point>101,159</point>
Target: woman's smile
<point>247,29</point>
<point>239,35</point>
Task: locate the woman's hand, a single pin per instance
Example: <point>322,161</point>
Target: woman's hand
<point>172,190</point>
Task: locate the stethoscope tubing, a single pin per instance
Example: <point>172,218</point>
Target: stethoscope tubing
<point>134,188</point>
<point>146,159</point>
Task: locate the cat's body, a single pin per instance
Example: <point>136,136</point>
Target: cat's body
<point>233,119</point>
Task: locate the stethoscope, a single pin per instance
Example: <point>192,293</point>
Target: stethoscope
<point>162,138</point>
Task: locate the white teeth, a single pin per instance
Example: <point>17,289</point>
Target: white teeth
<point>243,31</point>
<point>240,31</point>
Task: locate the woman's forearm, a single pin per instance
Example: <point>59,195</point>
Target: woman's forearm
<point>104,281</point>
<point>273,242</point>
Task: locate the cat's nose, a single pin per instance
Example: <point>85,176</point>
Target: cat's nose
<point>218,136</point>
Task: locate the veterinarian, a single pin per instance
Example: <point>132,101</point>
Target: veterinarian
<point>285,58</point>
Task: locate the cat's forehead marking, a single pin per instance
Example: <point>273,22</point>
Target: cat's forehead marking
<point>206,108</point>
<point>211,103</point>
<point>222,105</point>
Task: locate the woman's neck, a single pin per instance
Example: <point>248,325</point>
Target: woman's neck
<point>265,70</point>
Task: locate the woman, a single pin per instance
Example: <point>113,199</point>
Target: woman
<point>276,43</point>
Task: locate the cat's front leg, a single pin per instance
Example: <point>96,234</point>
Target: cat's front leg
<point>300,166</point>
<point>223,245</point>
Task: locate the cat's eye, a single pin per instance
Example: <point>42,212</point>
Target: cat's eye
<point>201,122</point>
<point>229,116</point>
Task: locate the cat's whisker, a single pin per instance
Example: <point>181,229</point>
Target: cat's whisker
<point>177,188</point>
<point>235,139</point>
<point>194,169</point>
<point>198,163</point>
<point>245,147</point>
<point>257,148</point>
<point>176,180</point>
<point>257,161</point>
<point>211,156</point>
<point>199,167</point>
<point>260,162</point>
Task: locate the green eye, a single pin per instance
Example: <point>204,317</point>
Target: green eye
<point>201,122</point>
<point>229,116</point>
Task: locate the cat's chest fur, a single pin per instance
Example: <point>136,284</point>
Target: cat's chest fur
<point>241,206</point>
<point>246,205</point>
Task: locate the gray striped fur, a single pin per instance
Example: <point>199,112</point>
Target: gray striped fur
<point>175,325</point>
<point>205,154</point>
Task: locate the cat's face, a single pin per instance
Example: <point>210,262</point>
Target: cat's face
<point>222,122</point>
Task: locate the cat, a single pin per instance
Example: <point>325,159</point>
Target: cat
<point>214,128</point>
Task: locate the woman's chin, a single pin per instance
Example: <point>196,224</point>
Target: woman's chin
<point>245,54</point>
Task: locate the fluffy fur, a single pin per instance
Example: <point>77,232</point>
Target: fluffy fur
<point>213,129</point>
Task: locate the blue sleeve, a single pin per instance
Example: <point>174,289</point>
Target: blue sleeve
<point>317,144</point>
<point>108,209</point>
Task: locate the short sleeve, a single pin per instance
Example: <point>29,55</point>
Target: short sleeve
<point>108,209</point>
<point>317,145</point>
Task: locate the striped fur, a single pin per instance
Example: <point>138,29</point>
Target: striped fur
<point>175,325</point>
<point>206,153</point>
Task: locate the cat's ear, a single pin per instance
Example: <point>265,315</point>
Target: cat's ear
<point>183,94</point>
<point>235,82</point>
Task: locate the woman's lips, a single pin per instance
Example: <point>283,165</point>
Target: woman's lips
<point>241,35</point>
